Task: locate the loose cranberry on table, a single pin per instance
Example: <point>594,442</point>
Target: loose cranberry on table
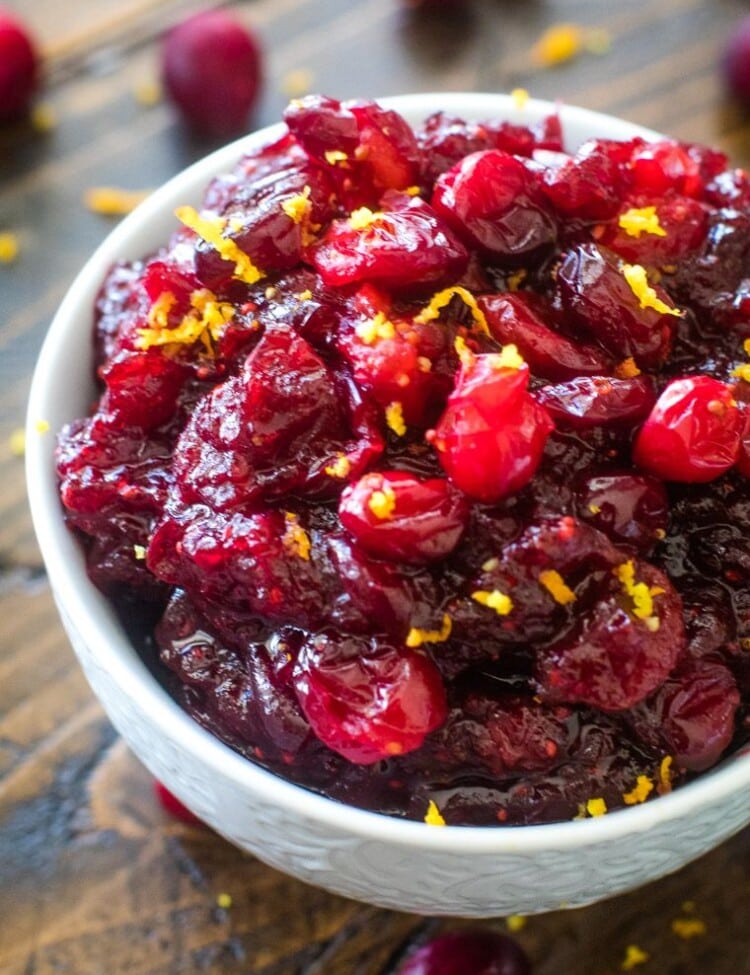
<point>735,63</point>
<point>19,66</point>
<point>469,952</point>
<point>212,68</point>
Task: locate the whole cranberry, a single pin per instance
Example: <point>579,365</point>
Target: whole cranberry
<point>19,67</point>
<point>494,203</point>
<point>492,434</point>
<point>367,699</point>
<point>736,61</point>
<point>693,432</point>
<point>212,70</point>
<point>398,516</point>
<point>470,952</point>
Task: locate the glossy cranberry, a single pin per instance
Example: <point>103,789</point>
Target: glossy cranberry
<point>691,716</point>
<point>248,438</point>
<point>398,360</point>
<point>588,186</point>
<point>629,508</point>
<point>491,436</point>
<point>526,321</point>
<point>402,243</point>
<point>213,72</point>
<point>597,298</point>
<point>506,733</point>
<point>593,401</point>
<point>142,388</point>
<point>468,952</point>
<point>743,457</point>
<point>173,806</point>
<point>400,517</point>
<point>494,203</point>
<point>736,62</point>
<point>693,432</point>
<point>19,67</point>
<point>378,595</point>
<point>445,140</point>
<point>271,216</point>
<point>366,148</point>
<point>613,658</point>
<point>368,699</point>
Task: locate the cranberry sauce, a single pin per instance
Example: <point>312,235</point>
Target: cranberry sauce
<point>423,457</point>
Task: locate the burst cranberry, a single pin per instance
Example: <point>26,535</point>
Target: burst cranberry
<point>398,360</point>
<point>494,203</point>
<point>620,650</point>
<point>399,517</point>
<point>367,699</point>
<point>173,806</point>
<point>627,320</point>
<point>677,228</point>
<point>693,432</point>
<point>743,457</point>
<point>691,716</point>
<point>212,71</point>
<point>659,167</point>
<point>402,243</point>
<point>736,63</point>
<point>593,401</point>
<point>629,508</point>
<point>491,436</point>
<point>588,186</point>
<point>367,149</point>
<point>468,952</point>
<point>527,322</point>
<point>18,67</point>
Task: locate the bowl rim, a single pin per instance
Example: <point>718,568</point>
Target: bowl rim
<point>99,630</point>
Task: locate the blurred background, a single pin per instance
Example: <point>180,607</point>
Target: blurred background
<point>95,875</point>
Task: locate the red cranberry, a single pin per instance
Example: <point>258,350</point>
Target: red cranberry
<point>399,517</point>
<point>494,203</point>
<point>173,805</point>
<point>693,432</point>
<point>445,141</point>
<point>613,658</point>
<point>597,297</point>
<point>628,508</point>
<point>505,734</point>
<point>736,61</point>
<point>588,186</point>
<point>491,436</point>
<point>212,71</point>
<point>469,952</point>
<point>682,220</point>
<point>367,699</point>
<point>402,243</point>
<point>398,360</point>
<point>593,401</point>
<point>691,716</point>
<point>19,67</point>
<point>527,322</point>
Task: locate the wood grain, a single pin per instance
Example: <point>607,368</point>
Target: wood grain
<point>94,876</point>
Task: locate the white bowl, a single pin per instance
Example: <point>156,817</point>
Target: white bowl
<point>410,866</point>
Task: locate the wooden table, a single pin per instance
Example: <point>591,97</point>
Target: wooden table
<point>94,876</point>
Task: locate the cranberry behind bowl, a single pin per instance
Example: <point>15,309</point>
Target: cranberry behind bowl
<point>406,865</point>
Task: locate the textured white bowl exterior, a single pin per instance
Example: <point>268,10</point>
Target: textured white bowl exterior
<point>478,872</point>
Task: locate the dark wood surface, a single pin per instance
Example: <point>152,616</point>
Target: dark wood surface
<point>94,876</point>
